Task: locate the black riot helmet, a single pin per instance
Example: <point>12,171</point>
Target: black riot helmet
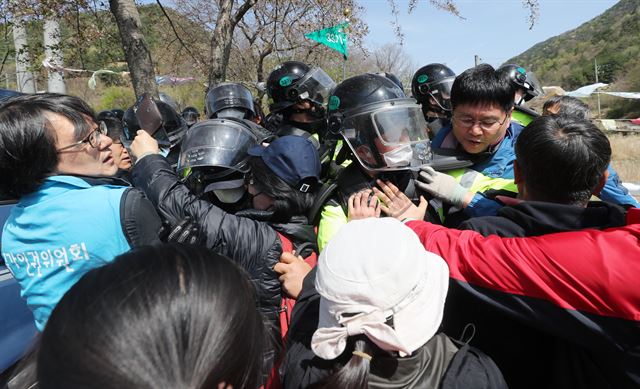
<point>106,114</point>
<point>229,100</point>
<point>119,113</point>
<point>393,78</point>
<point>522,79</point>
<point>173,125</point>
<point>165,98</point>
<point>191,115</point>
<point>431,87</point>
<point>384,129</point>
<point>293,81</point>
<point>214,159</point>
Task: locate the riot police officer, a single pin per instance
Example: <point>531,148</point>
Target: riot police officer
<point>431,87</point>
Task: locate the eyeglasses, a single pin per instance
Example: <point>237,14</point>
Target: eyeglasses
<point>487,125</point>
<point>93,138</point>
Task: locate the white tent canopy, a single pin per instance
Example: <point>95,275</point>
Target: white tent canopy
<point>588,90</point>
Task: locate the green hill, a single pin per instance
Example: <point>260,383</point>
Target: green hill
<point>612,38</point>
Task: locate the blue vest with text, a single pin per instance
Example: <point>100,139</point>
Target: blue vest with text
<point>58,233</point>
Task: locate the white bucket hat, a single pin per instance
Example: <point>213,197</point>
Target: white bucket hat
<point>375,278</point>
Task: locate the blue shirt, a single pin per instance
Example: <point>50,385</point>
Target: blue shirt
<point>58,233</point>
<point>500,165</point>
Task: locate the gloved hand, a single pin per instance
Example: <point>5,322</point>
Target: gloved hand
<point>442,186</point>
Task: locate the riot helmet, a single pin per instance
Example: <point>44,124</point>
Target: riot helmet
<point>106,114</point>
<point>292,82</point>
<point>165,98</point>
<point>229,100</point>
<point>173,125</point>
<point>431,87</point>
<point>522,79</point>
<point>214,159</point>
<point>118,113</point>
<point>393,78</point>
<point>191,115</point>
<point>384,129</point>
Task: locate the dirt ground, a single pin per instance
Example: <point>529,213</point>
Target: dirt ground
<point>626,157</point>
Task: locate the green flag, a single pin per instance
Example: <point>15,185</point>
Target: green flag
<point>334,37</point>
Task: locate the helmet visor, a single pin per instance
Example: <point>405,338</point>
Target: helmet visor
<point>391,138</point>
<point>216,143</point>
<point>534,88</point>
<point>439,93</point>
<point>316,86</point>
<point>228,96</point>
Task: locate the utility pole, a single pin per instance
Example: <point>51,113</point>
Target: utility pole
<point>595,62</point>
<point>477,59</point>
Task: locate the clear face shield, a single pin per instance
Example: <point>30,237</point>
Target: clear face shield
<point>534,88</point>
<point>315,86</point>
<point>389,136</point>
<point>439,93</point>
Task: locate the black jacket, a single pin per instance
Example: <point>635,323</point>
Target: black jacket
<point>532,218</point>
<point>440,363</point>
<point>531,356</point>
<point>252,244</point>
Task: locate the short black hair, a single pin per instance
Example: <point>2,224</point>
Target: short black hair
<point>562,159</point>
<point>159,316</point>
<point>482,85</point>
<point>569,106</point>
<point>28,140</point>
<point>289,201</point>
<point>115,129</point>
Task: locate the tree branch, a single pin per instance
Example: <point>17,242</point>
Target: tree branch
<point>164,12</point>
<point>243,10</point>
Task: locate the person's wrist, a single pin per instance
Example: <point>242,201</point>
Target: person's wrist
<point>459,198</point>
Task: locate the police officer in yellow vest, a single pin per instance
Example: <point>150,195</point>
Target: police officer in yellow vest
<point>527,87</point>
<point>386,134</point>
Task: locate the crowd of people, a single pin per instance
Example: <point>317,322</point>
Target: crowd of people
<point>355,236</point>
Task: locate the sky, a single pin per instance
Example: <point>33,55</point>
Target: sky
<point>496,30</point>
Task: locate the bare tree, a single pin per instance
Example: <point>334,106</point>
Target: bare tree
<point>275,31</point>
<point>25,78</point>
<point>135,47</point>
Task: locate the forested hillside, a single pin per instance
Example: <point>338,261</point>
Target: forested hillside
<point>612,38</point>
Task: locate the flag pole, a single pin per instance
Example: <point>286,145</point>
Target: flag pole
<point>346,14</point>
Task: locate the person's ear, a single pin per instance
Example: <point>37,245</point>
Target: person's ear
<point>603,181</point>
<point>517,174</point>
<point>518,179</point>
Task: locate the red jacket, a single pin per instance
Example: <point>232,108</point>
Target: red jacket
<point>582,287</point>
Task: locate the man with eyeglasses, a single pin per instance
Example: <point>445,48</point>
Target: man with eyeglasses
<point>481,128</point>
<point>72,215</point>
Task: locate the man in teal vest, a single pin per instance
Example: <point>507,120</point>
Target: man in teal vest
<point>72,215</point>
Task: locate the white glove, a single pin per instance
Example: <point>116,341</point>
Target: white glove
<point>442,186</point>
